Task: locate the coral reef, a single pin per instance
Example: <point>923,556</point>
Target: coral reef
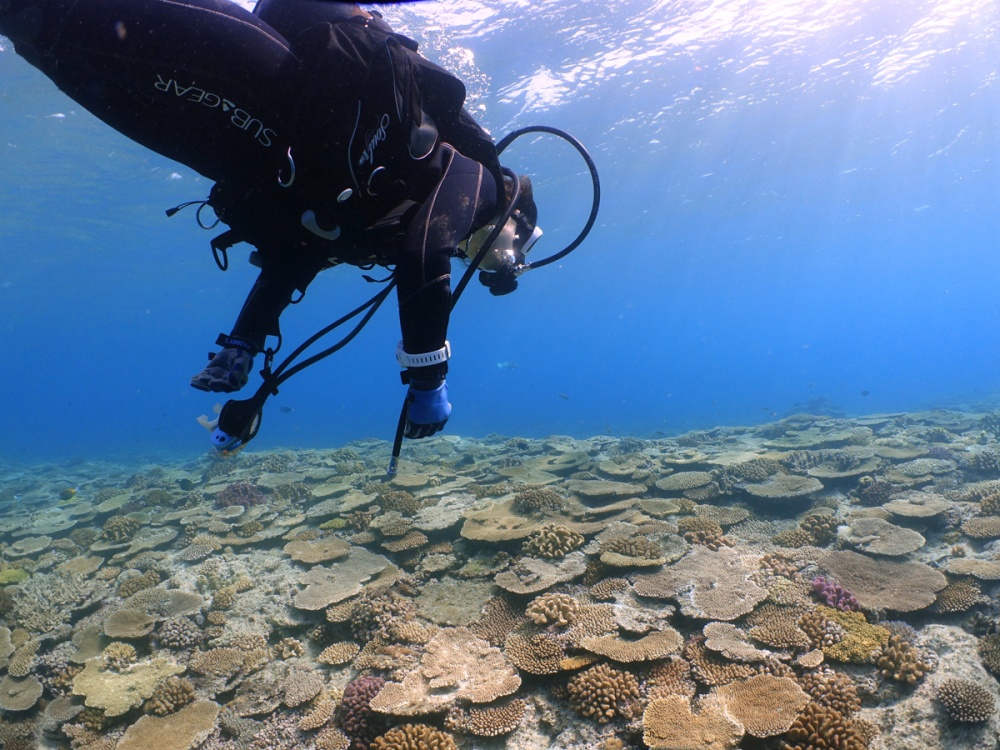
<point>902,662</point>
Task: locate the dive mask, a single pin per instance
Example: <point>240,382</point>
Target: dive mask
<point>510,248</point>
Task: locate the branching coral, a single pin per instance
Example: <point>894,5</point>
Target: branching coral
<point>357,719</point>
<point>966,700</point>
<point>821,728</point>
<point>902,662</point>
<point>414,737</point>
<point>552,541</point>
<point>169,696</point>
<point>602,692</point>
<point>547,609</point>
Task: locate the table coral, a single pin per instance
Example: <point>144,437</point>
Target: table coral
<point>669,723</point>
<point>765,705</point>
<point>455,666</point>
<point>492,721</point>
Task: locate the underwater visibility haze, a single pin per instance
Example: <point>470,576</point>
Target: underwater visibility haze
<point>727,475</point>
<point>799,203</point>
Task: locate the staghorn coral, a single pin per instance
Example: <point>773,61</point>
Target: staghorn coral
<point>601,693</point>
<point>875,492</point>
<point>357,719</point>
<point>552,608</point>
<point>552,541</point>
<point>989,652</point>
<point>965,700</point>
<point>170,696</point>
<point>821,728</point>
<point>902,662</point>
<point>414,737</point>
<point>832,689</point>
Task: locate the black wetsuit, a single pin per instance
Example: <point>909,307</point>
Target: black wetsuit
<point>329,139</point>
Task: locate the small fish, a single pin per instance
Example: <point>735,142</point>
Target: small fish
<point>563,396</point>
<point>865,393</point>
<point>507,365</point>
<point>287,410</point>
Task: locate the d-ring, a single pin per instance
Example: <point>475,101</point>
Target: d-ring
<point>291,164</point>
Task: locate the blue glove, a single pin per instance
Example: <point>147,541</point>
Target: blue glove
<point>428,410</point>
<point>227,371</point>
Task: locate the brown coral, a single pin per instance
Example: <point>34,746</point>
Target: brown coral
<point>536,654</point>
<point>602,692</point>
<point>832,689</point>
<point>552,541</point>
<point>118,655</point>
<point>902,662</point>
<point>547,609</point>
<point>119,529</point>
<point>169,696</point>
<point>414,737</point>
<point>966,700</point>
<point>765,705</point>
<point>532,500</point>
<point>821,728</point>
<point>493,721</point>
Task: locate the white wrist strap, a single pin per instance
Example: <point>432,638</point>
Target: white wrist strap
<point>423,360</point>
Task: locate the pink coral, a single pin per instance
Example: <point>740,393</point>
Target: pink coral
<point>240,493</point>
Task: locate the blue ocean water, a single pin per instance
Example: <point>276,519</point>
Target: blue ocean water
<point>798,209</point>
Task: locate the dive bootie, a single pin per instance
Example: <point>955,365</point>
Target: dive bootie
<point>227,371</point>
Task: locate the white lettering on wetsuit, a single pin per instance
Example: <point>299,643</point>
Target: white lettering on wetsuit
<point>237,116</point>
<point>373,139</point>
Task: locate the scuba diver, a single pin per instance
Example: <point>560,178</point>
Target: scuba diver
<point>330,140</point>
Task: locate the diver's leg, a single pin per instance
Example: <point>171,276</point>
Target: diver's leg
<point>283,275</point>
<point>203,82</point>
<point>464,198</point>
